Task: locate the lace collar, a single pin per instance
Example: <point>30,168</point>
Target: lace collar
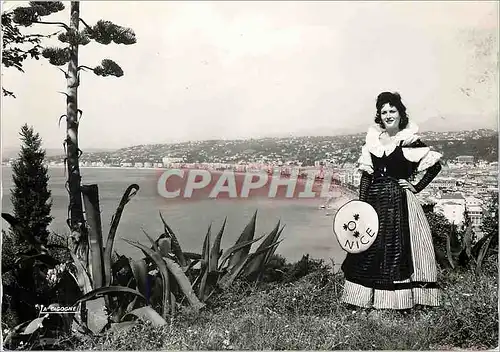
<point>406,136</point>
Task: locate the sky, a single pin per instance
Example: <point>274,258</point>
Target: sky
<point>225,70</point>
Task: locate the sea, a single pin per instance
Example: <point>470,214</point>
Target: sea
<point>308,226</point>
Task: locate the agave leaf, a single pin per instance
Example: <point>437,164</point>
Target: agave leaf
<point>198,278</point>
<point>468,241</point>
<point>183,282</point>
<point>162,268</point>
<point>479,244</point>
<point>236,248</point>
<point>140,272</point>
<point>271,252</point>
<point>191,264</point>
<point>130,192</point>
<point>154,246</point>
<point>15,332</point>
<point>163,235</point>
<point>465,255</point>
<point>215,254</point>
<point>455,245</point>
<point>448,251</point>
<point>190,255</point>
<point>205,253</point>
<point>482,254</point>
<point>34,325</point>
<point>441,258</point>
<point>173,303</point>
<point>176,247</point>
<point>203,284</point>
<point>82,277</point>
<point>90,194</point>
<point>231,275</point>
<point>131,305</point>
<point>109,290</point>
<point>146,313</point>
<point>205,264</point>
<point>247,235</point>
<point>258,262</point>
<point>164,246</point>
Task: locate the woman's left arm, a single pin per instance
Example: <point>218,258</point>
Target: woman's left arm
<point>429,175</point>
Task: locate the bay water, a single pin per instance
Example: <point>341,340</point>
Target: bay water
<point>308,229</point>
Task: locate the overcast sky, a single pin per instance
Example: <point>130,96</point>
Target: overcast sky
<point>206,70</point>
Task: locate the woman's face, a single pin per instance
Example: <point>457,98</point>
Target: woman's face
<point>390,117</point>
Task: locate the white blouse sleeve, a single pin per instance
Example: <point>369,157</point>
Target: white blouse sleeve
<point>424,156</point>
<point>365,161</point>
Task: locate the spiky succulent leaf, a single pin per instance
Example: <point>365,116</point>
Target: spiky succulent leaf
<point>130,192</point>
<point>247,235</point>
<point>146,313</point>
<point>216,252</point>
<point>82,278</point>
<point>184,283</point>
<point>256,265</point>
<point>237,247</point>
<point>165,247</point>
<point>154,245</point>
<point>34,325</point>
<point>109,290</point>
<point>176,247</point>
<point>271,252</point>
<point>205,264</point>
<point>141,276</point>
<point>162,268</point>
<point>482,254</point>
<point>233,273</point>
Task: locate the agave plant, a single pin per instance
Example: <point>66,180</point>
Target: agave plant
<point>460,253</point>
<point>131,287</point>
<point>103,278</point>
<point>459,250</point>
<point>123,283</point>
<point>219,268</point>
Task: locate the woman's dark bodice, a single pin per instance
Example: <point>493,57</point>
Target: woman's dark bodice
<point>393,165</point>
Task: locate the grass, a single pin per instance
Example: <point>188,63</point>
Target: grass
<point>307,315</point>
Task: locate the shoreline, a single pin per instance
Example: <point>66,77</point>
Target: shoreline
<point>101,167</point>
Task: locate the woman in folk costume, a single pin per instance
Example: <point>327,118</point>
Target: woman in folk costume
<point>398,271</point>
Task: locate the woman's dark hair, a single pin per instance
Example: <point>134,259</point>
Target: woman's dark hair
<point>394,99</point>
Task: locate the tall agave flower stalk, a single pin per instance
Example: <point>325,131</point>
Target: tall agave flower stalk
<point>104,32</point>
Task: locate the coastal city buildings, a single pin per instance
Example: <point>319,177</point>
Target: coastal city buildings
<point>466,182</point>
<point>452,206</point>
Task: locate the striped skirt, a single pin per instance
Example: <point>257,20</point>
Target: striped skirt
<point>399,270</point>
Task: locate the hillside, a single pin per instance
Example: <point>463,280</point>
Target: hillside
<point>341,149</point>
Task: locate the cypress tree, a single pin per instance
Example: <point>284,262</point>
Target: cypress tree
<point>31,197</point>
